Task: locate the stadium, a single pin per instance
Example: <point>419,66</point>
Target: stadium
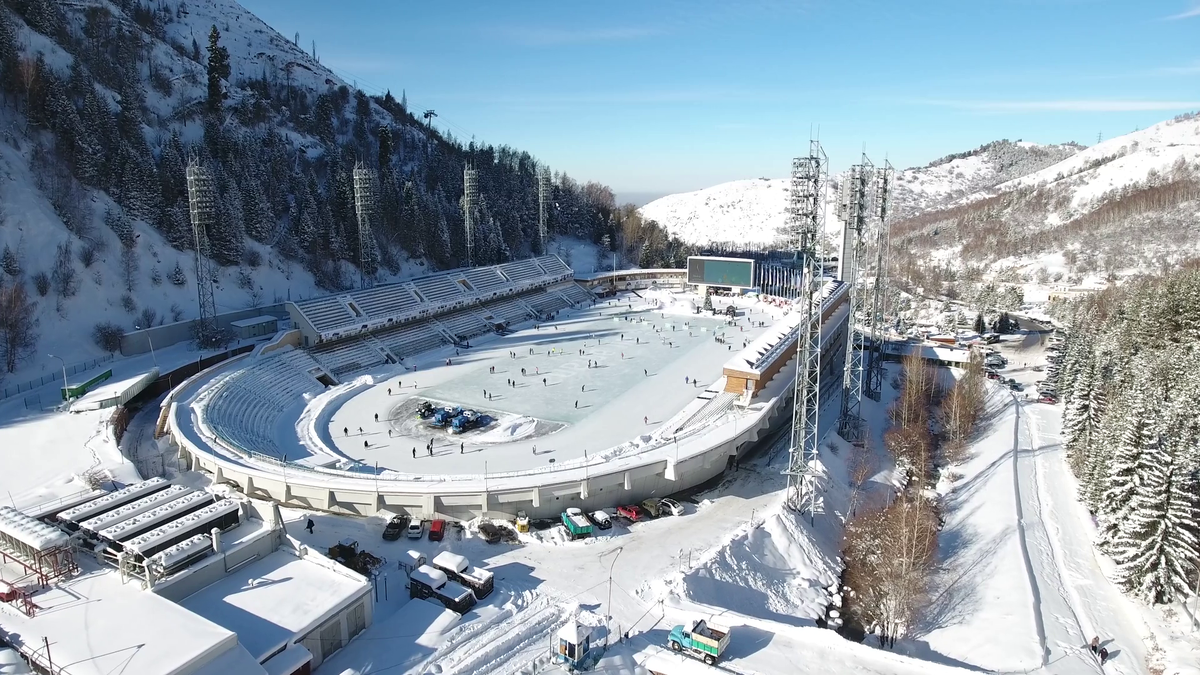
<point>491,390</point>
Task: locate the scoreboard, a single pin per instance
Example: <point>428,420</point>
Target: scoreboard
<point>712,271</point>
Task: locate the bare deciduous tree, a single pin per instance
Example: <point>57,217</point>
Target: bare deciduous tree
<point>18,325</point>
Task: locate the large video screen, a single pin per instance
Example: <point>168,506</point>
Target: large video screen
<point>735,272</point>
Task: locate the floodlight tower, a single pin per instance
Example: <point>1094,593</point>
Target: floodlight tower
<point>805,220</point>
<point>202,207</point>
<point>470,204</point>
<point>856,211</point>
<point>364,210</point>
<point>544,197</point>
<point>873,384</point>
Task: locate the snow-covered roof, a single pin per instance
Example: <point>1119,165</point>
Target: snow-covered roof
<point>574,632</point>
<point>235,661</point>
<point>451,561</point>
<point>32,533</point>
<point>113,499</point>
<point>101,625</point>
<point>455,591</point>
<point>430,576</point>
<point>136,507</point>
<point>275,600</point>
<point>147,541</point>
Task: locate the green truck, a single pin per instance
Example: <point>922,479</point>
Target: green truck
<point>576,523</point>
<point>702,640</point>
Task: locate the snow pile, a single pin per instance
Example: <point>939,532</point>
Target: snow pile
<point>509,430</point>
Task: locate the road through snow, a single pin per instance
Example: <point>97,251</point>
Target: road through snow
<point>1073,597</point>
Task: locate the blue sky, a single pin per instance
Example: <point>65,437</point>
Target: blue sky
<point>674,95</point>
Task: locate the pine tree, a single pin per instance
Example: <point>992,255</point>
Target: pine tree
<point>8,261</point>
<point>980,326</point>
<point>218,70</point>
<point>1136,431</point>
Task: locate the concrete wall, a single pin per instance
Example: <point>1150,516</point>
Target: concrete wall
<point>138,341</point>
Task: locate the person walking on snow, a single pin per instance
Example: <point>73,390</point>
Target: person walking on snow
<point>345,431</point>
<point>543,381</point>
<point>1095,645</point>
<point>376,417</point>
<point>1103,655</point>
<point>310,525</point>
<point>645,420</point>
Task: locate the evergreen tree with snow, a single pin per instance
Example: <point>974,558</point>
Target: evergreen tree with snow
<point>218,70</point>
<point>8,261</point>
<point>1136,433</point>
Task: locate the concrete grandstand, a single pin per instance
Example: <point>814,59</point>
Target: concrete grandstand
<point>589,403</point>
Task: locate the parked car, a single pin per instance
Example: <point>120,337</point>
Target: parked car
<point>652,506</point>
<point>395,527</point>
<point>437,530</point>
<point>991,374</point>
<point>670,506</point>
<point>489,532</point>
<point>1038,369</point>
<point>416,529</point>
<point>632,512</point>
<point>1048,398</point>
<point>601,519</point>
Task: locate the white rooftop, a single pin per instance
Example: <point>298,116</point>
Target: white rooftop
<point>88,621</point>
<point>453,561</point>
<point>32,533</point>
<point>253,321</point>
<point>270,602</point>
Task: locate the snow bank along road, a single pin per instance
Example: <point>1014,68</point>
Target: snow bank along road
<point>1073,597</point>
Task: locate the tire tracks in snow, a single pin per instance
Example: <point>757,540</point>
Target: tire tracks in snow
<point>1023,538</point>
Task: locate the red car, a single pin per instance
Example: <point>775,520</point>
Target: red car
<point>437,530</point>
<point>1047,398</point>
<point>632,512</point>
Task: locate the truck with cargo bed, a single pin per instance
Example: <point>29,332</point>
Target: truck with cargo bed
<point>701,640</point>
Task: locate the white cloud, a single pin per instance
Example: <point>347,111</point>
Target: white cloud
<point>1187,14</point>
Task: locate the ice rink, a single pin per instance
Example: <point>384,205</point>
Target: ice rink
<point>560,407</point>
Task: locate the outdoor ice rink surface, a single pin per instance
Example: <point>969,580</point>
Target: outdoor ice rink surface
<point>640,357</point>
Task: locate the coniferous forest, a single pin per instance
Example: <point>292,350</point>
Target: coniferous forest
<point>1131,426</point>
<point>282,154</point>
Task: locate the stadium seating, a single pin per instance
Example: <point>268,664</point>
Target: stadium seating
<point>485,279</point>
<point>347,356</point>
<point>325,313</point>
<point>552,264</point>
<point>575,293</point>
<point>438,289</point>
<point>465,323</point>
<point>383,301</point>
<point>507,311</point>
<point>247,404</point>
<point>521,270</point>
<point>411,338</point>
<point>546,301</point>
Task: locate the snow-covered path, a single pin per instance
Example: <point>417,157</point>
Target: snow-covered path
<point>1072,594</point>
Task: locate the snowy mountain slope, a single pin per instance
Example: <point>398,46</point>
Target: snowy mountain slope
<point>749,212</point>
<point>752,211</point>
<point>115,98</point>
<point>1126,204</point>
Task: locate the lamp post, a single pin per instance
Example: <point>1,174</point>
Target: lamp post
<point>150,340</point>
<point>608,604</point>
<point>64,367</point>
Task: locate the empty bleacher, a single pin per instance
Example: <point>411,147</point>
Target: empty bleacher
<point>347,356</point>
<point>247,403</point>
<point>464,324</point>
<point>552,264</point>
<point>408,339</point>
<point>438,289</point>
<point>382,301</point>
<point>521,270</point>
<point>326,313</point>
<point>485,279</point>
<point>545,301</point>
<point>575,293</point>
<point>506,311</point>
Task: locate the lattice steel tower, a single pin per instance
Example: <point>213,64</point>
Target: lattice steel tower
<point>873,385</point>
<point>470,204</point>
<point>544,198</point>
<point>805,220</point>
<point>856,207</point>
<point>202,207</point>
<point>364,211</point>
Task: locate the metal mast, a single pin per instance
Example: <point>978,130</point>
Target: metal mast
<point>883,189</point>
<point>202,206</point>
<point>544,196</point>
<point>856,210</point>
<point>805,220</point>
<point>364,210</point>
<point>470,203</point>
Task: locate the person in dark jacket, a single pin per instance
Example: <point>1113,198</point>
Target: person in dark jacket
<point>310,525</point>
<point>1103,655</point>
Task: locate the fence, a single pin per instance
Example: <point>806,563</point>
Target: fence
<point>72,369</point>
